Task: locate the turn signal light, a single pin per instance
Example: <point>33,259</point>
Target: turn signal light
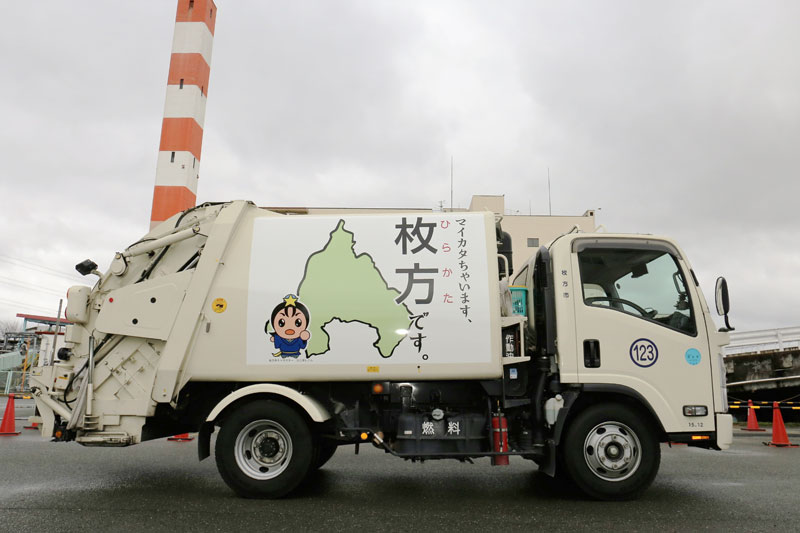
<point>377,388</point>
<point>700,437</point>
<point>364,435</point>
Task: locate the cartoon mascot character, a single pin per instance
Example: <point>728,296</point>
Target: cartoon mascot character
<point>289,327</point>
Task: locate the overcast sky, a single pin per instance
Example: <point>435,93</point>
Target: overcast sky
<point>676,118</point>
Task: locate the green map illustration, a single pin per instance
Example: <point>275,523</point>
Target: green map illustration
<point>340,285</point>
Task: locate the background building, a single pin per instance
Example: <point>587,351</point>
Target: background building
<point>529,232</point>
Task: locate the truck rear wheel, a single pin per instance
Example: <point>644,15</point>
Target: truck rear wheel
<point>611,452</point>
<point>264,450</point>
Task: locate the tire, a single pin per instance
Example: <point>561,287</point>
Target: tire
<point>324,452</point>
<point>611,452</point>
<point>264,450</point>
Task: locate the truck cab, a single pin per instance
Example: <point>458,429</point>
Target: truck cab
<point>626,323</point>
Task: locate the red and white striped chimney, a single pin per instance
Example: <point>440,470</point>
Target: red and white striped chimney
<point>184,110</point>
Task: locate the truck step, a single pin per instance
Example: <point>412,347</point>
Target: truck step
<point>91,422</point>
<point>105,439</point>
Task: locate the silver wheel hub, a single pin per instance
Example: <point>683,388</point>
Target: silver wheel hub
<point>263,449</point>
<point>612,451</point>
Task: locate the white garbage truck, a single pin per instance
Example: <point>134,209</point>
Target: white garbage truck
<point>291,335</point>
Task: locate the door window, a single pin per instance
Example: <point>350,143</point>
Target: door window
<point>644,283</point>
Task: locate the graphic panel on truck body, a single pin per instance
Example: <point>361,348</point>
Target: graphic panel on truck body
<point>382,290</point>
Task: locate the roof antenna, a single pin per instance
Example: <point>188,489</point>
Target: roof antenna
<point>451,183</point>
<point>549,203</point>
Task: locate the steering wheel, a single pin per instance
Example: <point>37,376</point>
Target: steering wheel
<point>620,301</point>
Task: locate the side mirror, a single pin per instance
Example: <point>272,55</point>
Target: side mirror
<point>723,301</point>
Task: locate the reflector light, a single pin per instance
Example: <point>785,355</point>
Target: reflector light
<point>377,388</point>
<point>364,436</point>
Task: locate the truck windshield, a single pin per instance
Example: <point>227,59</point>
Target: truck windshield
<point>645,283</point>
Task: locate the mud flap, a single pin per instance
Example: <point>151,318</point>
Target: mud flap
<point>548,466</point>
<point>204,440</point>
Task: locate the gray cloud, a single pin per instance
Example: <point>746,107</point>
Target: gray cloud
<point>679,118</point>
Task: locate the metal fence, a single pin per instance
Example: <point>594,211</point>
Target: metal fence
<point>763,340</point>
<point>14,382</point>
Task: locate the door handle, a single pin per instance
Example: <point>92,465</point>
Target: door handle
<point>591,353</point>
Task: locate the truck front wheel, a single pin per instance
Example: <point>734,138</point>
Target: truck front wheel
<point>264,450</point>
<point>611,452</point>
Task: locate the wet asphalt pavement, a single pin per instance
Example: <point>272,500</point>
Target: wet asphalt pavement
<point>160,486</point>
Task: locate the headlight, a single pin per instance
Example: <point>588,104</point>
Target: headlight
<point>695,410</point>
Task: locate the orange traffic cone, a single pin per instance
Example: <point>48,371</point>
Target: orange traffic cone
<point>183,437</point>
<point>779,436</point>
<point>8,427</point>
<point>31,424</point>
<point>752,421</point>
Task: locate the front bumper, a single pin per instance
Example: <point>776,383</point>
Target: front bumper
<point>724,431</point>
<point>720,439</point>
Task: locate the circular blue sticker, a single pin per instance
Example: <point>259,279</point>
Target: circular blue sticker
<point>693,356</point>
<point>644,352</point>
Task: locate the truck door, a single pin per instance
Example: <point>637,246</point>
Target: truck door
<point>639,324</point>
